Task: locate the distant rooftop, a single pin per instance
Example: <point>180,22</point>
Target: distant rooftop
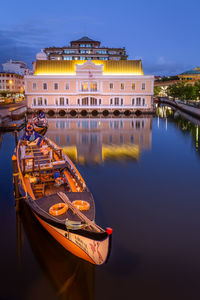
<point>195,71</point>
<point>85,39</point>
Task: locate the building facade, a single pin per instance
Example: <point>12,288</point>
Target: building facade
<point>191,75</point>
<point>89,85</point>
<point>11,82</point>
<point>85,49</point>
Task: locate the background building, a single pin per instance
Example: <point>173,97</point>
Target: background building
<point>191,75</point>
<point>17,67</point>
<point>11,82</point>
<point>85,49</point>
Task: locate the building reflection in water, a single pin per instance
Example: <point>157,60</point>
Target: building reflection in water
<point>71,277</point>
<point>97,140</point>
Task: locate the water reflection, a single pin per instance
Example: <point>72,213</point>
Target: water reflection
<point>70,276</point>
<point>184,122</point>
<point>97,140</point>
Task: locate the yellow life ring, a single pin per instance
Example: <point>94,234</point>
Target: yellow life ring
<point>29,127</point>
<point>81,205</point>
<point>58,209</point>
<point>58,181</point>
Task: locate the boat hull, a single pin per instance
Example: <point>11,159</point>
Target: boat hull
<point>88,249</point>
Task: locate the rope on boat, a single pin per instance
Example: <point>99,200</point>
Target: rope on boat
<point>78,213</point>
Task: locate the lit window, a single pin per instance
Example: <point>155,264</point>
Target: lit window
<point>143,86</point>
<point>111,101</point>
<point>133,86</point>
<point>56,101</point>
<point>122,86</point>
<point>84,86</point>
<point>93,86</point>
<point>44,86</point>
<point>55,86</point>
<point>39,101</point>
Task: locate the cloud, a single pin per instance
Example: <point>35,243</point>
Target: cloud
<point>163,67</point>
<point>21,43</point>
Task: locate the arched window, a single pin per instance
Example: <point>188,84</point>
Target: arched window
<point>45,101</point>
<point>85,101</point>
<point>133,101</point>
<point>122,101</point>
<point>67,101</point>
<point>93,101</point>
<point>111,101</point>
<point>143,102</point>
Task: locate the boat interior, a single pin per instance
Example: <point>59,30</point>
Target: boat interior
<point>46,171</point>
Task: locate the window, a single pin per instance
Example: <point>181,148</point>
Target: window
<point>67,101</point>
<point>122,86</point>
<point>133,101</point>
<point>111,101</point>
<point>62,101</point>
<point>143,102</point>
<point>67,57</point>
<point>84,86</point>
<point>55,86</point>
<point>93,86</point>
<point>138,101</point>
<point>132,139</point>
<point>56,101</point>
<point>99,101</point>
<point>67,138</point>
<point>133,86</point>
<point>45,101</point>
<point>122,101</point>
<point>44,86</point>
<point>67,86</point>
<point>143,86</point>
<point>39,101</point>
<point>78,101</point>
<point>34,86</point>
<point>85,101</point>
<point>116,101</point>
<point>68,51</point>
<point>111,86</point>
<point>93,101</point>
<point>34,102</point>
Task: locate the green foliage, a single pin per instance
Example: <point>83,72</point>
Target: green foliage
<point>157,90</point>
<point>184,91</point>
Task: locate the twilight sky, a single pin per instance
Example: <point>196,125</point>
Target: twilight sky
<point>164,34</point>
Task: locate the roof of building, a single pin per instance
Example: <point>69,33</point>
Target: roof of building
<point>192,72</point>
<point>85,39</point>
<point>68,67</point>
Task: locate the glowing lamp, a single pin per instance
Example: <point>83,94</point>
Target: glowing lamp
<point>109,230</point>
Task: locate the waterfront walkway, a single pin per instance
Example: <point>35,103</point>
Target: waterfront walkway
<point>194,111</point>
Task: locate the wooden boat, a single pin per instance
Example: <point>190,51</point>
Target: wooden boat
<point>59,198</point>
<point>40,121</point>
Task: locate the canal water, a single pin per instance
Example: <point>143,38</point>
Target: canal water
<point>144,176</point>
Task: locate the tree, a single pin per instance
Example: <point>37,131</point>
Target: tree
<point>157,90</point>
